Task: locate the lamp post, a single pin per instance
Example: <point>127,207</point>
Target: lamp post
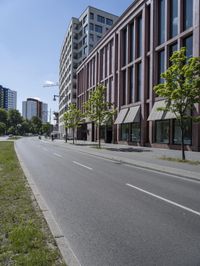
<point>54,97</point>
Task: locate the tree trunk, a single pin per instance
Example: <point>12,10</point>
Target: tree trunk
<point>182,141</point>
<point>99,129</point>
<point>65,134</point>
<point>73,135</point>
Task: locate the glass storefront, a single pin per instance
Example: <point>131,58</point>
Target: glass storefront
<point>162,131</point>
<point>131,132</point>
<point>124,132</point>
<point>187,132</point>
<point>135,132</point>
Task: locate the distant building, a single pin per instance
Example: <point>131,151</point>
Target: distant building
<point>82,35</point>
<point>8,98</point>
<point>33,107</point>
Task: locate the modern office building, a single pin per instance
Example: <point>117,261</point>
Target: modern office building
<point>82,35</point>
<point>33,107</point>
<point>129,59</point>
<point>8,98</point>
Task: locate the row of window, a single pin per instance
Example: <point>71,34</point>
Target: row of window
<point>186,42</point>
<point>135,44</point>
<point>132,132</point>
<point>97,28</point>
<point>185,10</point>
<point>102,19</point>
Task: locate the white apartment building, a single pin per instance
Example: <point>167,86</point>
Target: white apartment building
<point>32,107</point>
<point>82,35</point>
<point>12,99</point>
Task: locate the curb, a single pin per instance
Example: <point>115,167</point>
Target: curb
<point>148,166</point>
<point>67,253</point>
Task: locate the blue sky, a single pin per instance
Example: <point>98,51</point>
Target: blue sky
<point>31,36</point>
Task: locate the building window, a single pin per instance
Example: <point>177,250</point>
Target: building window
<point>91,37</point>
<point>161,65</point>
<point>84,19</point>
<point>139,82</point>
<point>148,77</point>
<point>131,84</point>
<point>187,14</point>
<point>172,48</point>
<point>161,21</point>
<point>100,19</point>
<point>84,40</point>
<point>187,132</point>
<point>188,43</point>
<point>98,29</point>
<point>91,26</point>
<point>85,29</point>
<point>139,36</point>
<point>98,38</point>
<point>91,15</point>
<point>135,132</point>
<point>173,18</point>
<point>102,132</point>
<point>109,21</point>
<point>148,31</point>
<point>124,132</point>
<point>162,131</point>
<point>124,46</point>
<point>132,44</point>
<point>124,88</point>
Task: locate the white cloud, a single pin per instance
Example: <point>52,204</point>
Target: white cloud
<point>49,82</point>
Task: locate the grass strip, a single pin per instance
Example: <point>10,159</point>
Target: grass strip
<point>25,238</point>
<point>171,159</point>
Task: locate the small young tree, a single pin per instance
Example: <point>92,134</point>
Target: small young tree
<point>72,118</point>
<point>181,89</point>
<point>97,109</point>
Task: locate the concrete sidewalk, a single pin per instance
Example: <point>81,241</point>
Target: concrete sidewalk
<point>145,157</point>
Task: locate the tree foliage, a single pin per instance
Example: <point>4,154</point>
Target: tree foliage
<point>46,129</point>
<point>2,128</point>
<point>97,109</point>
<point>72,118</point>
<point>181,89</point>
<point>14,121</point>
<point>36,125</point>
<point>3,116</point>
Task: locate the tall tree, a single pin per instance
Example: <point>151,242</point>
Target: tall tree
<point>181,89</point>
<point>98,109</point>
<point>72,118</point>
<point>2,128</point>
<point>25,127</point>
<point>47,128</point>
<point>36,124</point>
<point>14,121</point>
<point>3,116</point>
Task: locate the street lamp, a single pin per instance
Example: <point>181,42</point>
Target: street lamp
<point>54,97</point>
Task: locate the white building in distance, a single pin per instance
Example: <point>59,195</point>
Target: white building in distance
<point>82,35</point>
<point>33,107</point>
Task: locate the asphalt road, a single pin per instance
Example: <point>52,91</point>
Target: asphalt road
<point>115,214</point>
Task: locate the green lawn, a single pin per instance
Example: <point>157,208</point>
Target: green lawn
<point>25,238</point>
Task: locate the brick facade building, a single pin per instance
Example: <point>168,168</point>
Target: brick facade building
<point>129,60</point>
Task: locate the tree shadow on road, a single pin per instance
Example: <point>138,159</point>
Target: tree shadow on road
<point>129,149</point>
